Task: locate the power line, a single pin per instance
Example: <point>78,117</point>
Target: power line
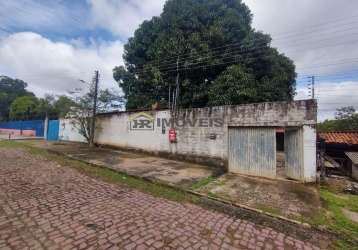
<point>168,67</point>
<point>229,48</point>
<point>246,50</point>
<point>221,47</point>
<point>156,61</point>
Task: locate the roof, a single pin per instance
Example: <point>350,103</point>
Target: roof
<point>350,138</point>
<point>353,156</point>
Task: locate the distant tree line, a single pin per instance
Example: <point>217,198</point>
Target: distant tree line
<point>346,119</point>
<point>17,103</point>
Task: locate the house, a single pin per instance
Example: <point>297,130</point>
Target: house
<point>353,163</point>
<point>337,144</point>
<point>271,139</point>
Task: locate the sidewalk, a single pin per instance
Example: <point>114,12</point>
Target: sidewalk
<point>288,199</point>
<point>170,172</point>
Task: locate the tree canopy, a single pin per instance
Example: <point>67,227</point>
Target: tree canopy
<point>10,89</point>
<point>220,58</point>
<point>23,108</point>
<point>346,119</point>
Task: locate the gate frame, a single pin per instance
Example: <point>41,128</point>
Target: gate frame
<point>308,154</point>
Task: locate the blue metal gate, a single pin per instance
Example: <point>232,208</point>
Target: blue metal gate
<point>52,130</point>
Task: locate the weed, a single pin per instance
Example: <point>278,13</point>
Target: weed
<point>202,182</point>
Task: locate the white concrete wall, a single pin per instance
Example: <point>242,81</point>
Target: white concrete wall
<point>355,171</point>
<point>68,132</point>
<point>196,141</point>
<point>309,154</point>
<point>115,131</point>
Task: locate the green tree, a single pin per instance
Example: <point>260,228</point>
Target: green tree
<point>10,89</point>
<point>346,120</point>
<point>345,112</point>
<point>82,108</point>
<point>24,108</point>
<point>204,38</point>
<point>45,107</point>
<point>62,106</point>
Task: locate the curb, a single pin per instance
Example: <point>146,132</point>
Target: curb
<point>218,204</point>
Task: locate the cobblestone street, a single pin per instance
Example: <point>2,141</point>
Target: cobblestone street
<point>47,206</point>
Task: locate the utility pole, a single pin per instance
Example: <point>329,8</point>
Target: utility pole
<point>312,86</point>
<point>313,83</point>
<point>169,94</point>
<point>94,111</point>
<point>177,88</point>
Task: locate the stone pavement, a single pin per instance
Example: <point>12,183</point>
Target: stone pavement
<point>47,206</point>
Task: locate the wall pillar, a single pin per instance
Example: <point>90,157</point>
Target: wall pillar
<point>309,154</point>
<point>45,128</point>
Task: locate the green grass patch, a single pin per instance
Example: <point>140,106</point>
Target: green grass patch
<point>212,195</point>
<point>271,210</point>
<point>106,174</point>
<point>331,217</point>
<point>202,182</point>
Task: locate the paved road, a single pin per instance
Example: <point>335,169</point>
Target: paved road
<point>46,206</point>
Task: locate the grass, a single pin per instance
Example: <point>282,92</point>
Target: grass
<point>271,210</point>
<point>202,182</point>
<point>331,217</point>
<point>105,174</point>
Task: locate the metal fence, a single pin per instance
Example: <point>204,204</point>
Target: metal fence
<point>23,127</point>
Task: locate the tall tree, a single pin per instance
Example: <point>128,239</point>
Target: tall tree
<point>10,89</point>
<point>204,39</point>
<point>62,105</point>
<point>24,108</point>
<point>45,108</point>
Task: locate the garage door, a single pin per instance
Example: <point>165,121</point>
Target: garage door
<point>294,153</point>
<point>252,151</point>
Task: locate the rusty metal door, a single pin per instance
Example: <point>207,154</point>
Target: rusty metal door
<point>252,151</point>
<point>294,153</point>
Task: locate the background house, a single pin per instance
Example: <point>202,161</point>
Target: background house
<point>337,144</point>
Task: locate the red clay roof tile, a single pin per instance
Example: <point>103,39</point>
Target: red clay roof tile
<point>340,137</point>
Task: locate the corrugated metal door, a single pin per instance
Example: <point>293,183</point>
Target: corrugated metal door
<point>252,151</point>
<point>293,153</point>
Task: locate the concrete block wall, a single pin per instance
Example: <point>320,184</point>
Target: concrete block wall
<point>68,132</point>
<point>205,142</point>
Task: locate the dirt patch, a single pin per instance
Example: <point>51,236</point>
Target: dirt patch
<point>353,216</point>
<point>292,200</point>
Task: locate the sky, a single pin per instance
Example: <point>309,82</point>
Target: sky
<point>53,44</point>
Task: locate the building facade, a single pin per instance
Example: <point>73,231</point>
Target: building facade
<point>240,138</point>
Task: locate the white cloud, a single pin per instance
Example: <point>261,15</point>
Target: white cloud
<point>123,17</point>
<point>320,36</point>
<point>312,33</point>
<point>51,16</point>
<point>55,67</point>
<point>307,31</point>
<point>332,95</point>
